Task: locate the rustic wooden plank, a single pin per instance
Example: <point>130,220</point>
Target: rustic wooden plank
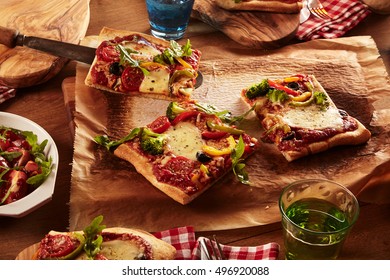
<point>63,20</point>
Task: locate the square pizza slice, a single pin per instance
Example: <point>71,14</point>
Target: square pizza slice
<point>140,64</point>
<point>185,151</point>
<point>300,118</point>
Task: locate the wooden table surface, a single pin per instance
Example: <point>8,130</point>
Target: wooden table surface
<point>44,104</point>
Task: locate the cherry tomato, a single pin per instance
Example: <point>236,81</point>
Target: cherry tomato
<point>132,78</point>
<point>160,125</point>
<point>15,188</point>
<point>107,52</point>
<point>56,246</point>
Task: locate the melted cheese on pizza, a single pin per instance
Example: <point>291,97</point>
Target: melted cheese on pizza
<point>121,250</point>
<point>156,81</point>
<point>185,139</point>
<point>144,52</point>
<point>313,117</point>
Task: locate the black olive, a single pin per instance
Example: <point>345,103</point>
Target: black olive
<point>202,157</point>
<point>289,136</point>
<point>343,113</point>
<point>116,69</point>
<point>293,85</point>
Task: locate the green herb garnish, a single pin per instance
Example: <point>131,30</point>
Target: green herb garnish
<point>93,238</point>
<point>108,144</point>
<point>174,51</point>
<point>237,162</point>
<point>126,59</point>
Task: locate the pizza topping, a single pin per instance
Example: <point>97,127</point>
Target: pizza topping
<point>60,246</point>
<point>160,125</point>
<point>116,68</point>
<point>224,128</point>
<point>210,150</point>
<point>184,139</point>
<point>178,171</point>
<point>115,246</point>
<point>313,117</point>
<point>93,238</point>
<point>203,157</point>
<point>173,110</point>
<point>151,142</point>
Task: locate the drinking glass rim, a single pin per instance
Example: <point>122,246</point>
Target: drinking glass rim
<point>355,217</point>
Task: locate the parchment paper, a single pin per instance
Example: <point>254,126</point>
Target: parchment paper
<point>349,69</point>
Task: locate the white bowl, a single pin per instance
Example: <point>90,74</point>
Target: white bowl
<point>44,192</point>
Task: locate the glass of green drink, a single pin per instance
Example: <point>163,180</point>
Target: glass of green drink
<point>317,216</point>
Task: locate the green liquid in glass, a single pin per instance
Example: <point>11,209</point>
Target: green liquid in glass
<point>323,235</point>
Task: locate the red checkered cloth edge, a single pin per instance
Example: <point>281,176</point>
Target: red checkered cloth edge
<point>183,239</point>
<point>345,14</point>
<point>6,93</point>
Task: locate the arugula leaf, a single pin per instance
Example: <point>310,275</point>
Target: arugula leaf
<point>105,141</point>
<point>93,238</point>
<point>174,51</point>
<point>224,115</point>
<point>10,156</point>
<point>237,162</point>
<point>126,59</point>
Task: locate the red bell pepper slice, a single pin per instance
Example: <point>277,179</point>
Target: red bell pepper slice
<point>282,87</point>
<point>213,134</point>
<point>184,116</point>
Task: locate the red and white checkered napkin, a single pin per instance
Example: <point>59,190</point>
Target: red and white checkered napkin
<point>183,239</point>
<point>345,14</point>
<point>6,93</point>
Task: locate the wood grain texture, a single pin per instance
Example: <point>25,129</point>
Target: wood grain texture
<point>251,29</point>
<point>63,20</point>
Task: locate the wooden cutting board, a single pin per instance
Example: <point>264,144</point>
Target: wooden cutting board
<point>251,29</point>
<point>63,20</point>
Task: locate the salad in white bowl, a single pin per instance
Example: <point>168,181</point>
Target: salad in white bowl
<point>28,165</point>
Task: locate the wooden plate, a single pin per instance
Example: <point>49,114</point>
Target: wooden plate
<point>28,252</point>
<point>251,29</point>
<point>63,20</point>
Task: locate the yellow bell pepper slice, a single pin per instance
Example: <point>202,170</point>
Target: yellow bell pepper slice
<point>152,64</point>
<point>291,79</point>
<point>220,152</point>
<point>303,97</point>
<point>183,62</point>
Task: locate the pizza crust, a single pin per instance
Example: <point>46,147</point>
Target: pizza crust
<point>261,5</point>
<point>143,166</point>
<point>351,138</point>
<point>108,33</point>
